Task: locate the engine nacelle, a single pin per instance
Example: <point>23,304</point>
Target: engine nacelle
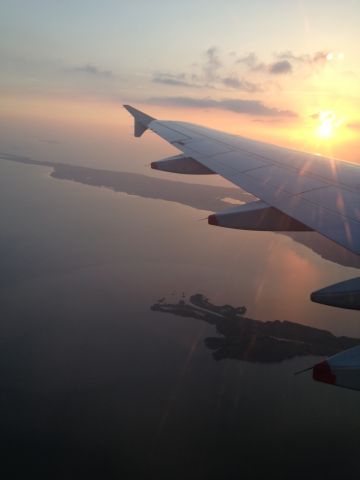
<point>342,369</point>
<point>181,164</point>
<point>343,295</point>
<point>257,216</point>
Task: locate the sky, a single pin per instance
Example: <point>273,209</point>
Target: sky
<point>286,72</point>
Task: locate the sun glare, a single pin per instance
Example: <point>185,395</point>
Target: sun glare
<point>328,123</point>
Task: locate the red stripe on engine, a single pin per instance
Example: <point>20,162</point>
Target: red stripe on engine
<point>212,220</point>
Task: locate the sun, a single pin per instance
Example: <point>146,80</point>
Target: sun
<point>328,123</point>
<point>325,129</point>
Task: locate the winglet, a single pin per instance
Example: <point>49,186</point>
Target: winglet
<point>141,120</point>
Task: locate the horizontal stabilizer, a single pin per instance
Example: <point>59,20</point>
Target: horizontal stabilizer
<point>181,164</point>
<point>256,216</point>
<point>344,294</point>
<point>142,120</point>
<point>342,369</point>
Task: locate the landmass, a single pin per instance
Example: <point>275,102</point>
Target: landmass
<point>244,338</point>
<point>202,197</point>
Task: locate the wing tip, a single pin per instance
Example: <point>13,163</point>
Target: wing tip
<point>142,120</point>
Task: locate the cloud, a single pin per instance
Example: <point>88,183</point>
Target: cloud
<point>281,67</point>
<point>192,80</point>
<point>178,80</point>
<point>285,62</point>
<point>91,70</point>
<point>214,71</point>
<point>209,73</point>
<point>317,58</point>
<point>212,64</point>
<point>252,62</point>
<point>355,125</point>
<point>245,107</point>
<point>277,68</point>
<point>241,84</point>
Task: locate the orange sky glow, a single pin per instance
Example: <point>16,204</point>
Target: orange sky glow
<point>292,81</point>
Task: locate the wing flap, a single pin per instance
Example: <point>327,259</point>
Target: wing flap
<point>336,199</point>
<point>208,147</point>
<point>181,164</point>
<point>256,216</point>
<point>239,161</point>
<point>285,179</point>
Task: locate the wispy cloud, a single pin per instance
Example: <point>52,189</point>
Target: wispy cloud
<point>212,64</point>
<point>245,107</point>
<point>252,62</point>
<point>177,80</point>
<point>285,62</point>
<point>245,73</point>
<point>354,125</point>
<point>317,58</point>
<point>240,84</point>
<point>211,73</point>
<point>281,66</point>
<point>91,70</point>
<point>182,80</point>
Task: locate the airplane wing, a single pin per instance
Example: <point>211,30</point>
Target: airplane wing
<point>297,191</point>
